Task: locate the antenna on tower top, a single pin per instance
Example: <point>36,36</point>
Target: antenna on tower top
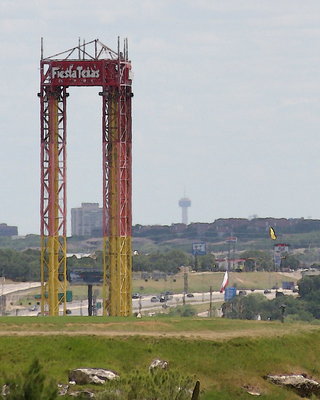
<point>41,48</point>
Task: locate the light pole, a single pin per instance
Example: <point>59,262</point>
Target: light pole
<point>2,303</point>
<point>140,304</point>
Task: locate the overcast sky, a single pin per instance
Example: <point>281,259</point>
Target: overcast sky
<point>225,108</point>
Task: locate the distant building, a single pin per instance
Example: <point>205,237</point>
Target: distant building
<point>86,220</point>
<point>6,230</point>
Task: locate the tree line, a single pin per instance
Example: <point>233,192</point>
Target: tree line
<point>305,307</point>
<point>25,265</point>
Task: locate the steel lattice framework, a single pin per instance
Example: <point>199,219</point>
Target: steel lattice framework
<point>88,64</point>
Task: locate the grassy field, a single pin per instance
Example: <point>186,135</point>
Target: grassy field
<point>199,282</point>
<point>217,328</point>
<point>225,355</point>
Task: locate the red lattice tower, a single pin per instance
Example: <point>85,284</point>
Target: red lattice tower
<point>88,64</point>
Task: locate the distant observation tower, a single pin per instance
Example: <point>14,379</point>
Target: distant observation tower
<point>184,203</point>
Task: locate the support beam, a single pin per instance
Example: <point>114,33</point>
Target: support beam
<point>117,177</point>
<point>53,201</point>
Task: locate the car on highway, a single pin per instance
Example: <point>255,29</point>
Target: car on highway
<point>190,295</point>
<point>242,292</point>
<point>136,296</point>
<point>267,291</point>
<point>166,296</point>
<point>154,299</point>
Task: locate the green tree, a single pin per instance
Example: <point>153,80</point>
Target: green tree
<point>290,261</point>
<point>308,285</point>
<point>249,307</point>
<point>206,262</point>
<point>245,307</point>
<point>169,261</point>
<point>140,262</point>
<point>20,265</point>
<point>262,260</point>
<point>309,291</point>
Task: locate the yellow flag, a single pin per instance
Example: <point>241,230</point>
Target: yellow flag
<point>272,233</point>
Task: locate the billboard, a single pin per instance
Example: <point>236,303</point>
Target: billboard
<point>199,249</point>
<point>230,293</point>
<point>288,285</point>
<point>279,251</point>
<point>76,73</point>
<point>84,72</point>
<point>85,276</point>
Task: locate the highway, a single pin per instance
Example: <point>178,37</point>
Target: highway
<point>147,307</point>
<point>6,288</point>
<point>80,307</point>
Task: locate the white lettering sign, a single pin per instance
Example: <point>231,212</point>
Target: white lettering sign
<point>78,72</point>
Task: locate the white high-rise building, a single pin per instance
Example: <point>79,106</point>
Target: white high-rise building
<point>86,220</point>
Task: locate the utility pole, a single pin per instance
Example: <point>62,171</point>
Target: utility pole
<point>196,262</point>
<point>210,307</point>
<point>140,304</point>
<point>2,302</point>
<point>90,300</point>
<point>185,282</point>
<point>185,286</point>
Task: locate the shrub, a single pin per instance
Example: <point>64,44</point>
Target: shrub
<point>29,386</point>
<point>183,311</point>
<point>156,385</point>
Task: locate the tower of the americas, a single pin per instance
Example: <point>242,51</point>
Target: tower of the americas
<point>184,203</point>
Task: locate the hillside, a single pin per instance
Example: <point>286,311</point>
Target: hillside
<point>227,356</point>
<point>303,236</point>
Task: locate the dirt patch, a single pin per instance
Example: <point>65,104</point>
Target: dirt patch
<point>139,326</point>
<point>295,275</point>
<point>198,335</point>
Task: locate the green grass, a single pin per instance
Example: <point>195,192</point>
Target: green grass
<point>222,366</point>
<point>201,282</point>
<point>153,325</point>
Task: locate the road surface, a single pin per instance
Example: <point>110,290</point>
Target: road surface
<point>80,307</point>
<point>6,288</point>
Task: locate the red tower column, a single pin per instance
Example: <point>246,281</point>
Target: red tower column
<point>53,199</point>
<point>117,194</point>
